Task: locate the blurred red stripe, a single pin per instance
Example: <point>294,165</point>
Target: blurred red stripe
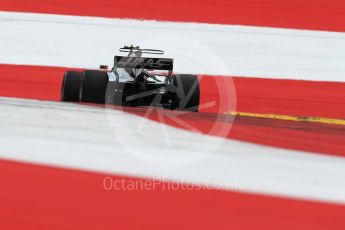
<point>33,82</point>
<point>39,197</point>
<point>308,14</point>
<point>287,97</point>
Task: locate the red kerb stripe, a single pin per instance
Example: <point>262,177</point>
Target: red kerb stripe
<point>302,14</point>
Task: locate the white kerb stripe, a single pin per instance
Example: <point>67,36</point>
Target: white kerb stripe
<point>73,41</point>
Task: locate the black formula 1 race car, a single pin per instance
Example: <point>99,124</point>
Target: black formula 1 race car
<point>134,80</point>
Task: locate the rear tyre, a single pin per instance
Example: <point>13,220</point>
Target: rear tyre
<point>188,92</point>
<point>71,86</point>
<point>93,87</point>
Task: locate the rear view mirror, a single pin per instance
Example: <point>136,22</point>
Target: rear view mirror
<point>103,67</point>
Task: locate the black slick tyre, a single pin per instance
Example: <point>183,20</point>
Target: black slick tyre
<point>188,92</point>
<point>94,86</point>
<point>71,86</point>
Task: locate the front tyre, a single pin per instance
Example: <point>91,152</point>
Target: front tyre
<point>187,91</point>
<point>94,86</point>
<point>71,86</point>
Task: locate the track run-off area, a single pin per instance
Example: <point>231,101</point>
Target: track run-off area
<point>268,69</point>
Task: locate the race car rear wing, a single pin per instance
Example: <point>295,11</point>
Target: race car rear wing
<point>128,49</point>
<point>166,64</point>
